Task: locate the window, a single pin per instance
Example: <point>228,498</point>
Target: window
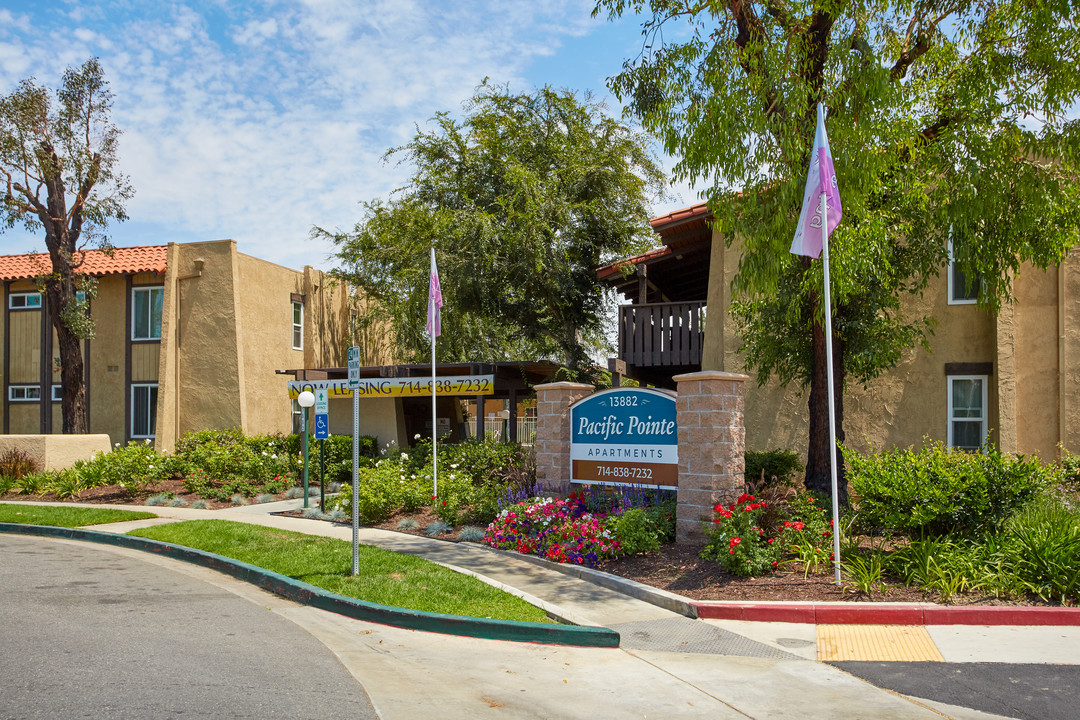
<point>24,393</point>
<point>967,411</point>
<point>57,393</point>
<point>297,418</point>
<point>24,301</point>
<point>298,326</point>
<point>143,410</point>
<point>146,304</point>
<point>962,291</point>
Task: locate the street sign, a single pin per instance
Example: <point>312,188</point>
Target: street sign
<point>354,368</point>
<point>322,401</point>
<point>322,426</point>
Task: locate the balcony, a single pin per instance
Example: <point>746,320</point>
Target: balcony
<point>664,336</point>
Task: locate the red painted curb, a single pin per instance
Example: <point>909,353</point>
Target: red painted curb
<point>885,613</point>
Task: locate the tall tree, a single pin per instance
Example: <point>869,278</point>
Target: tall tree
<point>948,120</point>
<point>523,198</point>
<point>59,167</point>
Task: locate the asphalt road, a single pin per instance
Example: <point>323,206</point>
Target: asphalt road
<point>92,634</point>
<point>1028,692</point>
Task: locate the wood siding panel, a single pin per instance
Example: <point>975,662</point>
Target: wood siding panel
<point>25,348</point>
<point>144,362</point>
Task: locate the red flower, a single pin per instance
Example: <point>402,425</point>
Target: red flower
<point>732,551</point>
<point>444,503</point>
<point>769,541</point>
<point>774,563</point>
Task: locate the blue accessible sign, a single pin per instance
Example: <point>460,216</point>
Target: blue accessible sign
<point>625,436</point>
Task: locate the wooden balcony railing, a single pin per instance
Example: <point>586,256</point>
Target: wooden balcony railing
<point>661,334</point>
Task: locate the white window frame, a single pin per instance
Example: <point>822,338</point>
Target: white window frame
<point>985,382</point>
<point>20,393</point>
<point>297,327</point>
<point>151,411</point>
<point>25,296</point>
<point>148,289</point>
<point>953,299</point>
<point>57,392</point>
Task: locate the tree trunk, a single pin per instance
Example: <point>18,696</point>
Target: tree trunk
<point>60,292</point>
<point>818,470</point>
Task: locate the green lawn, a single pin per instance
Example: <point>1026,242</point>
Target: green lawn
<point>68,517</point>
<point>386,577</point>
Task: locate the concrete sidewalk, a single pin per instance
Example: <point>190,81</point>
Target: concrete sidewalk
<point>667,665</point>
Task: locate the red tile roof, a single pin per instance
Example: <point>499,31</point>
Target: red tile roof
<point>679,216</point>
<point>124,260</point>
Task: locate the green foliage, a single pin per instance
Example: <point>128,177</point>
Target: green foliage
<point>66,484</point>
<point>766,468</point>
<point>522,199</point>
<point>15,463</point>
<point>1045,550</point>
<point>936,491</point>
<point>941,129</point>
<point>218,464</point>
<point>636,532</point>
<point>338,455</point>
<point>59,160</point>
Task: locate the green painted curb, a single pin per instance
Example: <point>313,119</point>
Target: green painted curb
<point>302,592</point>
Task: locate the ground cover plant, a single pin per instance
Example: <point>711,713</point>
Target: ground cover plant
<point>69,517</point>
<point>385,577</point>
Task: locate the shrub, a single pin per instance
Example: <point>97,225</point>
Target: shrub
<point>65,484</point>
<point>221,463</point>
<point>636,532</point>
<point>750,536</point>
<point>1043,542</point>
<point>135,467</point>
<point>937,491</point>
<point>770,467</point>
<point>15,463</point>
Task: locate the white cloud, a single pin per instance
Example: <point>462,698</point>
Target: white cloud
<point>258,122</point>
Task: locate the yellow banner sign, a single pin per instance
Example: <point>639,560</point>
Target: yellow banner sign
<point>399,387</point>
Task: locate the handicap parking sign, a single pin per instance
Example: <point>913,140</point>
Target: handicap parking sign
<point>322,426</point>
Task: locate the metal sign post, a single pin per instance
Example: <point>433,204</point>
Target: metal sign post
<point>354,383</point>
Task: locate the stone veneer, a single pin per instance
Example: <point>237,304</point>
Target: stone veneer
<point>553,401</point>
<point>712,441</point>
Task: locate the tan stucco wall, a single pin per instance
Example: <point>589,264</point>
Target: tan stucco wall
<point>107,360</point>
<point>380,417</point>
<point>198,384</point>
<point>56,452</point>
<point>226,332</point>
<point>909,402</point>
<point>265,328</point>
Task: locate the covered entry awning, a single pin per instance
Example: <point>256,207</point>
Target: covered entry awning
<point>513,380</point>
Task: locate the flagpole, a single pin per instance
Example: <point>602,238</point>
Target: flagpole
<point>832,391</point>
<point>434,419</point>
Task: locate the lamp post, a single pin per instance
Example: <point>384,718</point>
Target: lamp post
<point>306,399</point>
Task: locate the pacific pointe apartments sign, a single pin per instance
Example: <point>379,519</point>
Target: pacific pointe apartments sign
<point>625,436</point>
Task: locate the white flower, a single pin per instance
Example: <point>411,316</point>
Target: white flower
<point>404,456</point>
<point>117,444</point>
<point>416,436</point>
<point>454,466</point>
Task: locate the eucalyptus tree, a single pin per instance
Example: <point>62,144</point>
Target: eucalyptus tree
<point>59,164</point>
<point>522,198</point>
<point>949,121</point>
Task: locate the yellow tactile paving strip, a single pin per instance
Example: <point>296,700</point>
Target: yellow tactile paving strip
<point>906,643</point>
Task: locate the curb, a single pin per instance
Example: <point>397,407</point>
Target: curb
<point>885,613</point>
<point>298,591</point>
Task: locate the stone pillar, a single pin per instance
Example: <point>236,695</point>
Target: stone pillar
<point>711,445</point>
<point>553,401</point>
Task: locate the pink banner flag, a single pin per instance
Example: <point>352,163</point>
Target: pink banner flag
<point>820,179</point>
<point>435,301</point>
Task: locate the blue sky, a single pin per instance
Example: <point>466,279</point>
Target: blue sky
<point>258,120</point>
